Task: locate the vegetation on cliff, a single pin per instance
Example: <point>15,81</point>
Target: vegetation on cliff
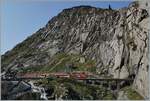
<point>70,89</point>
<point>63,62</point>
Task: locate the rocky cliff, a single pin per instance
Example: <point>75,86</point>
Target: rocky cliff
<point>117,40</point>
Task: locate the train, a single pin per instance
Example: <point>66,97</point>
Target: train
<point>73,75</point>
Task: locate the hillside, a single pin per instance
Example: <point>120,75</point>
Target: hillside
<point>103,41</point>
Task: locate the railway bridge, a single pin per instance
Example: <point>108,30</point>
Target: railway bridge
<point>110,83</point>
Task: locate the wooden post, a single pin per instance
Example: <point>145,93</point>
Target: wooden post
<point>118,85</point>
<point>85,81</point>
<point>109,85</point>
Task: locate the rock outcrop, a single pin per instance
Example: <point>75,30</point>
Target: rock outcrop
<point>116,39</point>
<point>11,90</point>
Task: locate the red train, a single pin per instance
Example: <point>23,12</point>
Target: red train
<point>74,75</point>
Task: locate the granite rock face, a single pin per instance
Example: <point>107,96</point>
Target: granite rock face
<point>10,90</point>
<point>116,39</point>
<point>141,82</point>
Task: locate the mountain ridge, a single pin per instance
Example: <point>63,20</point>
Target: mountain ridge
<point>117,40</point>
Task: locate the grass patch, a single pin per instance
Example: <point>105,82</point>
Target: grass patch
<point>30,69</point>
<point>109,96</point>
<point>60,61</point>
<point>132,94</point>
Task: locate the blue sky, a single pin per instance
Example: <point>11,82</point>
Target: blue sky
<point>21,18</point>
